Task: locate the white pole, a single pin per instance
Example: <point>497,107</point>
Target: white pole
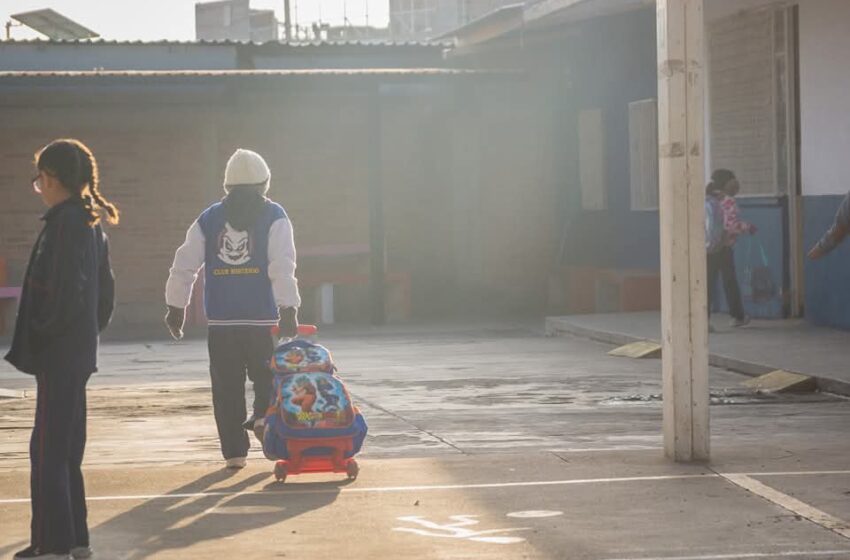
<point>684,317</point>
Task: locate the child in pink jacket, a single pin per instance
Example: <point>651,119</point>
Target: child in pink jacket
<point>724,186</point>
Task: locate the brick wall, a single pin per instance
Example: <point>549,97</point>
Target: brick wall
<point>467,196</point>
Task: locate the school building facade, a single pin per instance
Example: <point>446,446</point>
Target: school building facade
<point>514,172</point>
<point>391,172</point>
<point>777,114</point>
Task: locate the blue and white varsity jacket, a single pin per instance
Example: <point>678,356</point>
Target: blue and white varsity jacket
<point>247,274</point>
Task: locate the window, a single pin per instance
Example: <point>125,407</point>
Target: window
<point>751,91</point>
<point>591,153</point>
<point>643,154</point>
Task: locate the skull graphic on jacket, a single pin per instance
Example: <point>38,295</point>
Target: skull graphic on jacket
<point>234,246</point>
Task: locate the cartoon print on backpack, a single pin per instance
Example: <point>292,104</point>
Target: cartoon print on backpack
<point>315,400</point>
<point>301,357</point>
<point>294,358</point>
<point>329,396</point>
<point>304,394</point>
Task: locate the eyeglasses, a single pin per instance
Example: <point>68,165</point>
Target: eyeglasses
<point>36,181</point>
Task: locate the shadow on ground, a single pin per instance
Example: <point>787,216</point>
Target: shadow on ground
<point>206,509</point>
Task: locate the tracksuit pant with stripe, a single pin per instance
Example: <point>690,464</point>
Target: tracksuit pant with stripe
<point>59,516</point>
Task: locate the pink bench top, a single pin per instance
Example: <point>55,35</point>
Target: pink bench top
<point>340,250</point>
<point>9,292</point>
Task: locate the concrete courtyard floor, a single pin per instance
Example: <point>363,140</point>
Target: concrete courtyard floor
<point>486,441</point>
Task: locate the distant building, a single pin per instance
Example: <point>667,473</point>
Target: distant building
<point>415,20</point>
<point>355,33</point>
<point>264,26</point>
<point>234,20</point>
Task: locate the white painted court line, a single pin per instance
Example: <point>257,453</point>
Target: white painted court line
<point>745,556</point>
<point>425,488</point>
<point>790,503</point>
<point>389,489</point>
<point>606,449</point>
<point>789,473</point>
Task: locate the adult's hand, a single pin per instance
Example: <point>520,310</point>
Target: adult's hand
<point>288,323</point>
<point>816,252</point>
<point>174,319</point>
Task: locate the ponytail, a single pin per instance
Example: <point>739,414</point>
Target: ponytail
<point>91,175</point>
<point>73,163</point>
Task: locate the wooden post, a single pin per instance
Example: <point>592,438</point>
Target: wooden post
<point>684,317</point>
<point>377,240</point>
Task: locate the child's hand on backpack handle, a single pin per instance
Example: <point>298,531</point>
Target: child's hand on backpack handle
<point>288,323</point>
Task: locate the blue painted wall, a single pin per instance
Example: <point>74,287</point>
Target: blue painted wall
<point>828,280</point>
<point>612,62</point>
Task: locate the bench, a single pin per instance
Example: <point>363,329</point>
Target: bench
<point>322,268</point>
<point>398,294</point>
<point>589,289</point>
<point>326,266</point>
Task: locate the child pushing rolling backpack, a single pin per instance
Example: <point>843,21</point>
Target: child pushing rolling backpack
<point>311,425</point>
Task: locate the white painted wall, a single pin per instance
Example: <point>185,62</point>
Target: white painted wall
<point>825,96</point>
<point>824,88</point>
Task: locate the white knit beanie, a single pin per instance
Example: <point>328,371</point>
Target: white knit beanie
<point>246,168</point>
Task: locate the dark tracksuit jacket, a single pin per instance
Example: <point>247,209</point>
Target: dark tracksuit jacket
<point>67,299</point>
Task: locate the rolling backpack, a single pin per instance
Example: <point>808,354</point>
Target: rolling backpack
<point>309,401</point>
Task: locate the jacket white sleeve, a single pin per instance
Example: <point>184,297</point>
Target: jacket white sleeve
<point>187,261</point>
<point>282,264</point>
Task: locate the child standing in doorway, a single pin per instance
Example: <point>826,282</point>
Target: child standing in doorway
<point>724,187</point>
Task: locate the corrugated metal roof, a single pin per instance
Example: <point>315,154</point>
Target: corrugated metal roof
<point>290,73</point>
<point>508,12</point>
<point>281,44</point>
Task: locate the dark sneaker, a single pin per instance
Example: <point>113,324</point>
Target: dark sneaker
<point>81,552</point>
<point>258,426</point>
<point>742,322</point>
<point>32,553</point>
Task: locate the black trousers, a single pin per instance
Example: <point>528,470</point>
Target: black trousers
<point>235,352</point>
<point>723,263</point>
<point>59,515</point>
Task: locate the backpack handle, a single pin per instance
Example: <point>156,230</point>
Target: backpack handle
<point>303,330</point>
<point>308,330</point>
